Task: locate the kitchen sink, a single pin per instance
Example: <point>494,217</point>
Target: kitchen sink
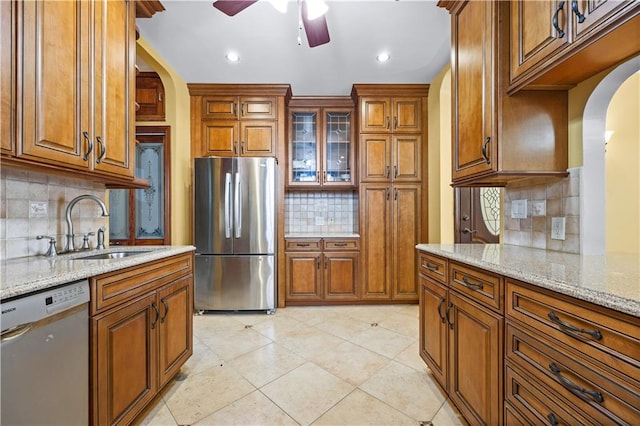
<point>112,255</point>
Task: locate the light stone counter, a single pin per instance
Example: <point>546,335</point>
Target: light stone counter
<point>321,235</point>
<point>28,274</point>
<point>611,280</point>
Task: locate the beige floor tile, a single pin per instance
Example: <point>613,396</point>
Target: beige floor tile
<point>383,341</point>
<point>250,318</point>
<point>370,314</point>
<point>278,326</point>
<point>400,323</point>
<point>350,362</point>
<point>266,364</point>
<point>200,395</point>
<point>207,324</point>
<point>311,315</point>
<point>253,409</point>
<point>202,359</point>
<point>360,408</point>
<point>230,344</point>
<point>412,310</point>
<point>448,416</point>
<point>158,416</point>
<point>309,341</point>
<point>343,329</point>
<point>407,390</point>
<point>411,357</point>
<point>307,392</point>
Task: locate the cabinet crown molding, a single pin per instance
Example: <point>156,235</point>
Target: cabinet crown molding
<point>205,89</point>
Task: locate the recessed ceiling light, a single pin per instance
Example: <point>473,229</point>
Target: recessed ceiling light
<point>383,57</point>
<point>232,57</point>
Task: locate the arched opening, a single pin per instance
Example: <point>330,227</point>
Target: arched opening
<point>593,188</point>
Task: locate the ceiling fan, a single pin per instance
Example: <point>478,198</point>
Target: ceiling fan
<point>312,18</point>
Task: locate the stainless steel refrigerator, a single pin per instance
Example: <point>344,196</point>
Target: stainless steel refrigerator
<point>235,234</point>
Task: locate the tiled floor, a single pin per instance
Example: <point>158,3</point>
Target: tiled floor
<point>347,365</point>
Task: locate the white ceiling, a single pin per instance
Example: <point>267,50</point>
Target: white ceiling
<point>193,37</point>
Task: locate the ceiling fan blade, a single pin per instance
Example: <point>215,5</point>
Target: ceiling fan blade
<point>231,7</point>
<point>316,30</point>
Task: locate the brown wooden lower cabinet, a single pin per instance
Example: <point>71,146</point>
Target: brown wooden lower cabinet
<point>139,343</point>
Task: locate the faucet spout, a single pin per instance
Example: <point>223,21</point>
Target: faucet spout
<point>70,244</point>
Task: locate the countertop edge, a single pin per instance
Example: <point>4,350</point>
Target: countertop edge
<point>79,269</point>
<point>604,299</point>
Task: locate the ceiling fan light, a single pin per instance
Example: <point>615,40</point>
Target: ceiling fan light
<point>383,57</point>
<point>232,57</point>
<point>280,5</point>
<point>316,9</point>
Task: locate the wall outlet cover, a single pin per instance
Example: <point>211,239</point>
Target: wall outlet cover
<point>319,220</point>
<point>38,208</point>
<point>558,228</point>
<point>519,209</point>
<point>539,208</point>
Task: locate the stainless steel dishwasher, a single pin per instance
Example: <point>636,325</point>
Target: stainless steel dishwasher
<point>44,354</point>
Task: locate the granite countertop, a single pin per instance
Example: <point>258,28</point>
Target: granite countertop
<point>28,274</point>
<point>611,280</point>
<point>321,235</point>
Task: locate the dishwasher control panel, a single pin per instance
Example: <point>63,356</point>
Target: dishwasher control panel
<point>36,306</point>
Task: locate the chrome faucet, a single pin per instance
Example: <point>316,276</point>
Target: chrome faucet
<point>70,245</point>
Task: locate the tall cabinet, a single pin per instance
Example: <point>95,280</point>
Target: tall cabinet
<point>392,130</point>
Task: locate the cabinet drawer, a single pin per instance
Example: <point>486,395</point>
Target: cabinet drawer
<point>592,391</point>
<point>433,267</point>
<point>613,339</point>
<point>303,245</point>
<point>116,287</point>
<point>481,286</point>
<point>340,245</point>
<point>534,402</point>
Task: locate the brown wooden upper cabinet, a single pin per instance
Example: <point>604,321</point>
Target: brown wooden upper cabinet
<point>380,114</point>
<point>77,85</point>
<point>321,147</point>
<point>564,42</point>
<point>150,97</point>
<point>237,120</point>
<point>498,138</point>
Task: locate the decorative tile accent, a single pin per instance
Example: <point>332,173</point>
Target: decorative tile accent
<point>338,212</point>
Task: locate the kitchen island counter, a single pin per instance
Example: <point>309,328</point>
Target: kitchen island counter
<point>25,275</point>
<point>611,280</point>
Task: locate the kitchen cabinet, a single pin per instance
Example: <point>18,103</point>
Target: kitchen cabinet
<point>141,334</point>
<point>237,120</point>
<point>321,147</point>
<point>462,335</point>
<point>391,158</point>
<point>77,81</point>
<point>322,270</point>
<point>384,114</point>
<point>7,77</point>
<point>150,97</point>
<point>497,138</point>
<point>390,225</point>
<point>564,42</point>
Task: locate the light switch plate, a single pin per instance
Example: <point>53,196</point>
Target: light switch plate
<point>539,208</point>
<point>558,228</point>
<point>519,209</point>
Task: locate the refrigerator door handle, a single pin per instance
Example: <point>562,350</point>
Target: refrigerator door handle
<point>238,207</point>
<point>227,205</point>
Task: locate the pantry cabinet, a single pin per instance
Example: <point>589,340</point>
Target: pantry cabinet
<point>237,120</point>
<point>561,43</point>
<point>77,85</point>
<point>321,147</point>
<point>498,138</point>
<point>140,334</point>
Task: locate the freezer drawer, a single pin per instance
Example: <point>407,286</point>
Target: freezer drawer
<point>234,283</point>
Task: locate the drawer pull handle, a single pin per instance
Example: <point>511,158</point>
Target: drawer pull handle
<point>431,267</point>
<point>166,309</point>
<point>155,321</point>
<point>596,396</point>
<point>593,333</point>
<point>555,20</point>
<point>446,313</point>
<point>486,143</point>
<point>302,244</point>
<point>340,244</point>
<point>472,286</point>
<point>576,11</point>
<point>552,419</point>
<point>442,318</point>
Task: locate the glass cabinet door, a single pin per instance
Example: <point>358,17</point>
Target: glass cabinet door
<point>338,148</point>
<point>304,147</point>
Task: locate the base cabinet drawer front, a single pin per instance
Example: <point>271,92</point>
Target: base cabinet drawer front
<point>583,385</point>
<point>434,329</point>
<point>303,245</point>
<point>340,245</point>
<point>535,404</point>
<point>610,339</point>
<point>434,267</point>
<point>482,286</point>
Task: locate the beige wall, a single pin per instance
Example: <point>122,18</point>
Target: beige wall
<point>178,117</point>
<point>446,191</point>
<point>622,158</point>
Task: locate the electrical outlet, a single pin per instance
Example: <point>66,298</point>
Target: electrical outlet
<point>519,209</point>
<point>38,209</point>
<point>319,220</point>
<point>539,208</point>
<point>558,228</point>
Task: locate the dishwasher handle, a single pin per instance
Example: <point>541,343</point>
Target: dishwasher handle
<point>15,332</point>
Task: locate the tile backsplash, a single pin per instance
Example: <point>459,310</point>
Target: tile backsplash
<point>321,212</point>
<point>34,203</point>
<point>562,199</point>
